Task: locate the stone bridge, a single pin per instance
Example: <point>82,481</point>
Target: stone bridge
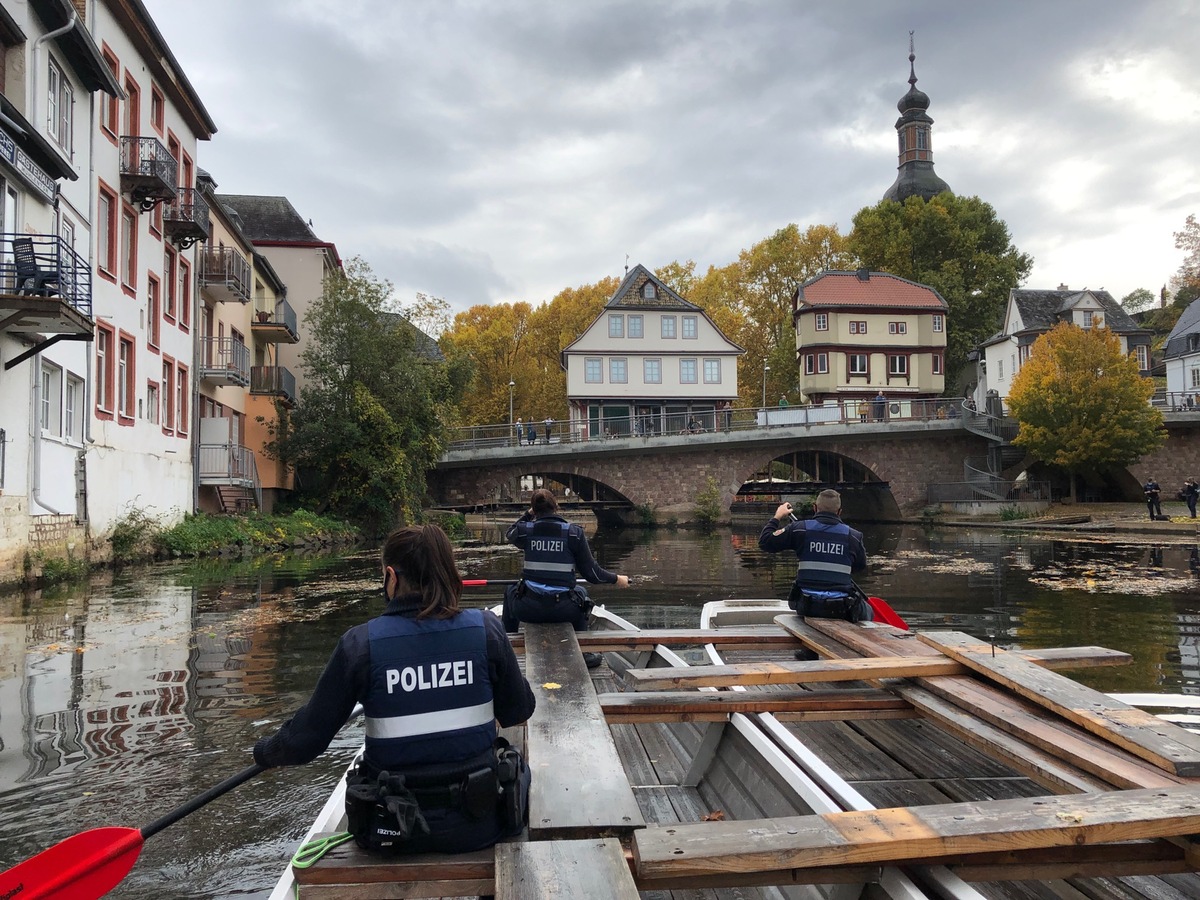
<point>884,468</point>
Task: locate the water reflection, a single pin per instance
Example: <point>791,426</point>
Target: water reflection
<point>121,701</point>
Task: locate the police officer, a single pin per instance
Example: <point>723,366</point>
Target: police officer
<point>1153,498</point>
<point>433,680</point>
<point>554,551</point>
<point>829,552</point>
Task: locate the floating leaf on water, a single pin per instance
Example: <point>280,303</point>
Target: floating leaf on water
<point>551,685</point>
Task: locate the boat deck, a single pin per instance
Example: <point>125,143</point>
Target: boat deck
<point>832,749</point>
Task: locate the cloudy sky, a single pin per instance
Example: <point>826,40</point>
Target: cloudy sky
<point>502,151</point>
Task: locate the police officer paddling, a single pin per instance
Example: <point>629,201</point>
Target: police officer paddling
<point>829,552</point>
<point>433,679</point>
<point>555,550</point>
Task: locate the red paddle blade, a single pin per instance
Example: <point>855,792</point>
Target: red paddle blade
<point>82,867</point>
<point>885,614</point>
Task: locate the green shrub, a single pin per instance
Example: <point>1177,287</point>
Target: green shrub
<point>1013,513</point>
<point>132,536</point>
<point>202,534</point>
<point>645,514</point>
<point>56,569</point>
<point>708,503</point>
<point>453,523</point>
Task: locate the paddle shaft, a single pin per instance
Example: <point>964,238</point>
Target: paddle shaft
<point>483,582</point>
<point>204,799</point>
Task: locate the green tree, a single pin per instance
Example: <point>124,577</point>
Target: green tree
<point>372,416</point>
<point>956,245</point>
<point>1081,404</point>
<point>1137,300</point>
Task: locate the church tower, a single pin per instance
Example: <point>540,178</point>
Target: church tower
<point>915,131</point>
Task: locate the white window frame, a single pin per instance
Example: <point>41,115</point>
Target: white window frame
<point>858,327</point>
<point>821,321</point>
<point>593,370</point>
<point>153,412</point>
<point>689,328</point>
<point>73,408</point>
<point>616,325</point>
<point>1196,376</point>
<point>897,364</point>
<point>851,369</point>
<point>636,327</point>
<point>810,364</point>
<point>649,291</point>
<point>937,364</point>
<point>60,107</point>
<point>652,371</point>
<point>1000,368</point>
<point>50,415</point>
<point>688,371</point>
<point>712,370</point>
<point>937,323</point>
<point>618,370</point>
<point>1143,356</point>
<point>669,328</point>
<point>897,328</point>
<point>125,352</point>
<point>1088,316</point>
<point>822,363</point>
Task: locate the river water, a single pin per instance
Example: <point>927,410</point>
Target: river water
<point>125,698</point>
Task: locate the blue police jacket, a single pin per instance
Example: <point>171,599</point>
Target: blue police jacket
<point>829,551</point>
<point>554,551</point>
<point>429,697</point>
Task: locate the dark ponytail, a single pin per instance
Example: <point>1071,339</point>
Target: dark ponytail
<point>423,560</point>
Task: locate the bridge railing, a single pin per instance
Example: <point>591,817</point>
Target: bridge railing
<point>1177,401</point>
<point>970,491</point>
<point>657,425</point>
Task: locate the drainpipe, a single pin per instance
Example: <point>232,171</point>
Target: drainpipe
<point>33,62</point>
<point>36,420</point>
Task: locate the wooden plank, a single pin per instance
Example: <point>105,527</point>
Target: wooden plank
<point>1168,746</point>
<point>930,833</point>
<point>1053,658</point>
<point>610,640</point>
<point>711,706</point>
<point>824,670</point>
<point>595,869</point>
<point>348,864</point>
<point>579,787</point>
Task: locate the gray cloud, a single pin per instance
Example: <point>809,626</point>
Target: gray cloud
<point>504,151</point>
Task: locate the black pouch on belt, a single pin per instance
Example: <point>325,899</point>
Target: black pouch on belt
<point>511,766</point>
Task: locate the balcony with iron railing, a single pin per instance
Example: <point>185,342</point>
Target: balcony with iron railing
<point>225,275</point>
<point>277,326</point>
<point>275,381</point>
<point>45,288</point>
<point>224,361</point>
<point>149,173</point>
<point>186,218</point>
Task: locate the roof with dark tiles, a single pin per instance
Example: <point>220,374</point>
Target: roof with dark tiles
<point>867,289</point>
<point>1180,341</point>
<point>1042,310</point>
<point>269,218</point>
<point>629,292</point>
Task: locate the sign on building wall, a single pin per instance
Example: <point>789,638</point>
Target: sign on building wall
<point>31,173</point>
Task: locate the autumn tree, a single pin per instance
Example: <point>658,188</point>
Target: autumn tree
<point>1188,240</point>
<point>1081,404</point>
<point>956,245</point>
<point>371,418</point>
<point>1137,300</point>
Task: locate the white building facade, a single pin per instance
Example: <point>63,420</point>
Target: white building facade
<point>50,68</point>
<point>148,217</point>
<point>650,363</point>
<point>1181,354</point>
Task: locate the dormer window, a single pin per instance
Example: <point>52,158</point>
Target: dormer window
<point>1087,318</point>
<point>648,291</point>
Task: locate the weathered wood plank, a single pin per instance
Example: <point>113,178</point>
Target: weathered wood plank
<point>606,640</point>
<point>579,787</point>
<point>348,864</point>
<point>930,833</point>
<point>710,706</point>
<point>595,869</point>
<point>1166,745</point>
<point>902,642</point>
<point>824,670</point>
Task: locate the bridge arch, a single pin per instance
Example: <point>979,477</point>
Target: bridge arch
<point>810,470</point>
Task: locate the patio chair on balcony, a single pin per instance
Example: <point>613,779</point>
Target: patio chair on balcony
<point>31,278</point>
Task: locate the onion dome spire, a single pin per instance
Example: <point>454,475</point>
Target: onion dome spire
<point>915,131</point>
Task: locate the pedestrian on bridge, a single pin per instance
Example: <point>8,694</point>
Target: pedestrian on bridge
<point>549,423</point>
<point>531,433</point>
<point>554,551</point>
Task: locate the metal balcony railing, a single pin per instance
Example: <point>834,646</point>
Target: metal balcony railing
<point>186,218</point>
<point>225,360</point>
<point>230,464</point>
<point>274,380</point>
<point>279,324</point>
<point>58,271</point>
<point>225,273</point>
<point>148,171</point>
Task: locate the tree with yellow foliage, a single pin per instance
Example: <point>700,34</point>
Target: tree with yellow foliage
<point>1081,404</point>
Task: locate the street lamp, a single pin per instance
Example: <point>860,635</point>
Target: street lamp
<point>511,384</point>
<point>766,369</point>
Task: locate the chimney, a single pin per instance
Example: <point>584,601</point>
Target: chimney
<point>1063,287</point>
<point>864,274</point>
